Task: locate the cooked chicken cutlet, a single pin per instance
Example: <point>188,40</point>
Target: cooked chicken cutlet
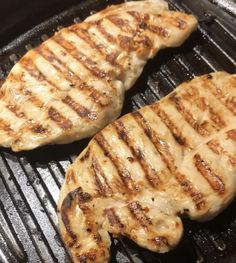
<point>73,84</point>
<point>140,174</point>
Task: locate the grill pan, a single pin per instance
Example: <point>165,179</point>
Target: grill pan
<point>30,181</point>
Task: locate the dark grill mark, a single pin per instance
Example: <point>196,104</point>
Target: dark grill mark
<point>232,159</point>
<point>215,146</point>
<point>1,84</point>
<point>207,172</point>
<point>36,101</point>
<point>149,172</point>
<point>87,257</point>
<point>144,20</point>
<point>178,103</point>
<point>34,72</point>
<point>82,258</point>
<point>97,96</point>
<point>134,43</point>
<point>229,103</point>
<point>85,156</point>
<point>57,64</point>
<point>174,21</point>
<point>143,41</point>
<point>125,41</point>
<point>164,151</point>
<point>97,238</point>
<point>78,55</point>
<point>112,59</point>
<point>100,179</point>
<point>135,39</point>
<point>162,32</point>
<point>180,23</point>
<point>38,128</point>
<point>70,177</point>
<point>188,188</point>
<point>140,214</point>
<point>84,35</point>
<point>81,197</point>
<point>177,134</point>
<point>161,146</point>
<point>131,159</point>
<point>30,97</point>
<point>215,117</point>
<point>142,25</point>
<point>121,169</point>
<point>161,240</point>
<point>128,43</point>
<point>209,76</point>
<point>113,218</point>
<point>54,115</point>
<point>100,48</point>
<point>107,35</point>
<point>192,94</point>
<point>139,17</point>
<point>66,206</point>
<point>79,109</point>
<point>122,24</point>
<point>232,135</point>
<point>5,127</point>
<point>76,81</point>
<point>16,110</point>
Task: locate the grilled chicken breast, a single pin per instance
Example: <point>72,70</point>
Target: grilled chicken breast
<point>142,172</point>
<point>73,84</point>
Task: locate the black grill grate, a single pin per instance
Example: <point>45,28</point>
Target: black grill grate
<point>30,181</point>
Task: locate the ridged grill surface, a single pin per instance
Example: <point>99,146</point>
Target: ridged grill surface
<point>30,181</point>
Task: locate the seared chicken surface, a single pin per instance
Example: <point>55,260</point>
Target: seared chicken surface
<point>73,84</point>
<point>142,172</point>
